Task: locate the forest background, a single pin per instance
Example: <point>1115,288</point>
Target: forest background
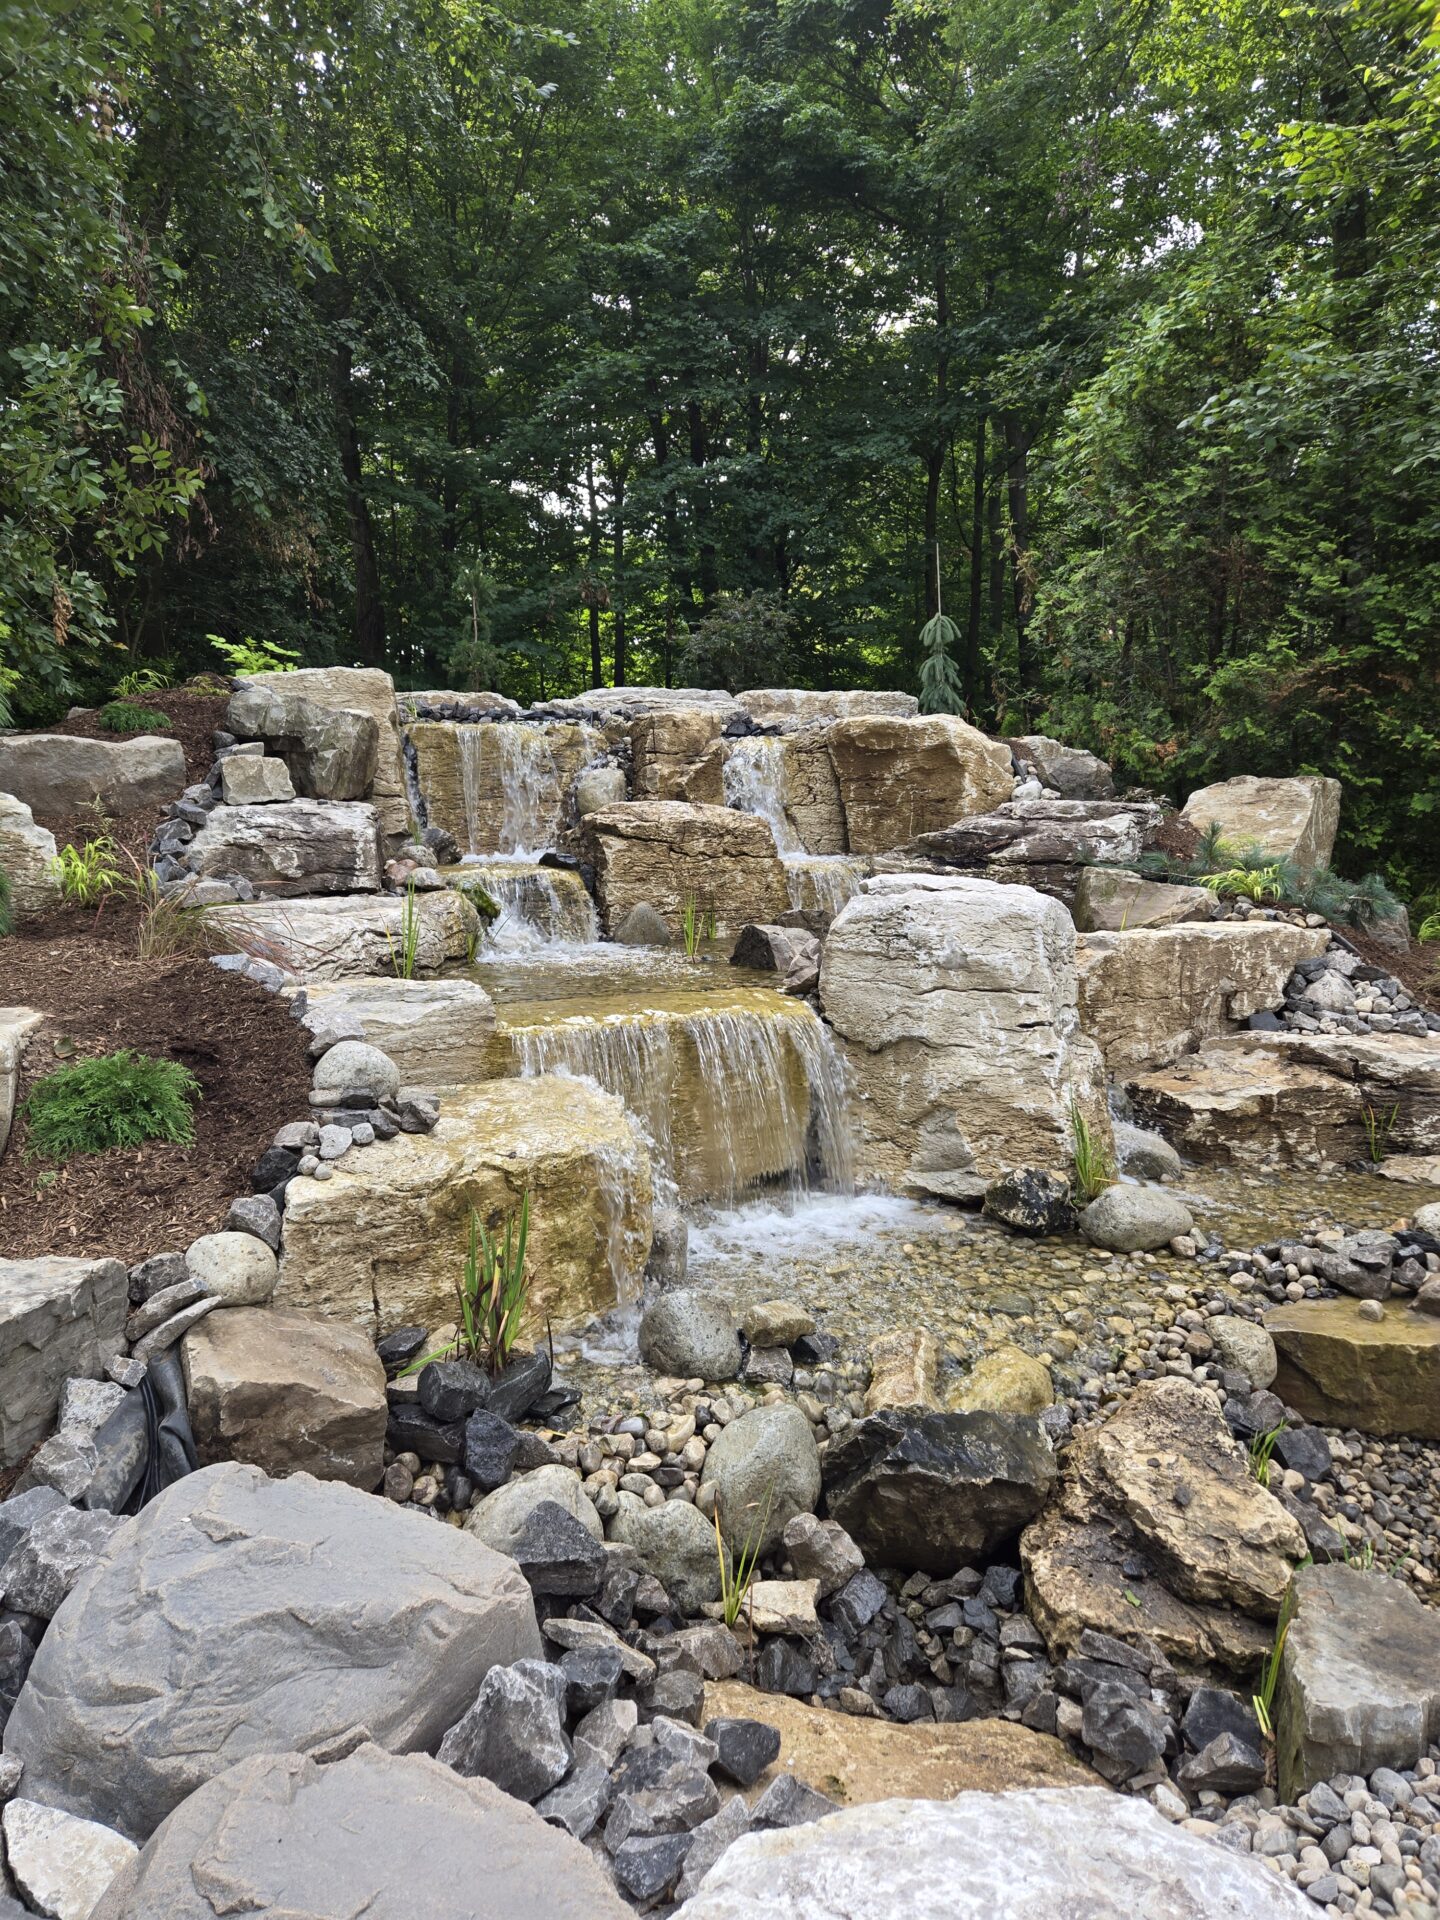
<point>718,341</point>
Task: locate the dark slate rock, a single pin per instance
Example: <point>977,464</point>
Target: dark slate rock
<point>1265,1022</point>
<point>20,1512</point>
<point>746,1748</point>
<point>592,1676</point>
<point>1224,1765</point>
<point>683,1799</point>
<point>514,1734</point>
<point>1001,1587</point>
<point>556,1554</point>
<point>580,1801</point>
<point>409,1429</point>
<point>275,1166</point>
<point>489,1445</point>
<point>616,1600</point>
<point>935,1491</point>
<point>1304,1450</point>
<point>907,1703</point>
<point>398,1349</point>
<point>1032,1201</point>
<point>788,1802</point>
<point>814,1349</point>
<point>784,1666</point>
<point>679,1695</point>
<point>858,1602</point>
<point>1125,1735</point>
<point>514,1392</point>
<point>648,1869</point>
<point>452,1389</point>
<point>1215,1710</point>
<point>152,1275</point>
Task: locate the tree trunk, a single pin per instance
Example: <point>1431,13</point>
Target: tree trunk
<point>617,570</point>
<point>974,671</point>
<point>592,596</point>
<point>369,605</point>
<point>1017,486</point>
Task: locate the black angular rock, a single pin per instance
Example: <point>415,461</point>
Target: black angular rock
<point>1125,1735</point>
<point>489,1445</point>
<point>1304,1450</point>
<point>747,1748</point>
<point>679,1695</point>
<point>1030,1200</point>
<point>398,1349</point>
<point>556,1554</point>
<point>908,1703</point>
<point>783,1666</point>
<point>20,1512</point>
<point>592,1676</point>
<point>1224,1765</point>
<point>1215,1710</point>
<point>452,1389</point>
<point>514,1391</point>
<point>788,1802</point>
<point>814,1349</point>
<point>858,1601</point>
<point>409,1429</point>
<point>934,1491</point>
<point>616,1601</point>
<point>648,1869</point>
<point>275,1166</point>
<point>1001,1587</point>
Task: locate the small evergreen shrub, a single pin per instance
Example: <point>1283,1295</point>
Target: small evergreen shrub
<point>122,716</point>
<point>119,1100</point>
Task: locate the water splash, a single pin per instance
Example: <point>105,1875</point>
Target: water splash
<point>730,1097</point>
<point>540,907</point>
<point>755,782</point>
<point>823,882</point>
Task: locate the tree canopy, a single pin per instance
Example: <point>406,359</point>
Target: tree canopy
<point>732,340</point>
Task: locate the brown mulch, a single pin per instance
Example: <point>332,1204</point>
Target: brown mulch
<point>195,713</point>
<point>239,1041</point>
<point>1418,971</point>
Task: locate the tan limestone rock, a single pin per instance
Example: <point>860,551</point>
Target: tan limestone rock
<point>902,777</point>
<point>1114,900</point>
<point>357,690</point>
<point>1148,996</point>
<point>665,852</point>
<point>1230,1106</point>
<point>17,1024</point>
<point>903,1369</point>
<point>437,1032</point>
<point>676,755</point>
<point>1341,1369</point>
<point>26,853</point>
<point>798,706</point>
<point>1004,1380</point>
<point>502,787</point>
<point>286,1392</point>
<point>1290,819</point>
<point>346,937</point>
<point>382,1243</point>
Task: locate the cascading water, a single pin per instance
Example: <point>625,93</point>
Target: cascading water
<point>528,780</point>
<point>755,782</point>
<point>539,906</point>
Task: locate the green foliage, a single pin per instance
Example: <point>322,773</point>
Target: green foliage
<point>121,717</point>
<point>1429,928</point>
<point>119,1100</point>
<point>479,896</point>
<point>138,682</point>
<point>1246,883</point>
<point>1262,1449</point>
<point>405,955</point>
<point>254,656</point>
<point>493,1290</point>
<point>7,908</point>
<point>941,690</point>
<point>1378,1128</point>
<point>1094,1165</point>
<point>88,874</point>
<point>1264,1701</point>
<point>744,641</point>
<point>737,1574</point>
<point>697,925</point>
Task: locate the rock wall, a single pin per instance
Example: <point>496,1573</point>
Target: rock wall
<point>664,852</point>
<point>901,778</point>
<point>382,1243</point>
<point>956,1002</point>
<point>362,690</point>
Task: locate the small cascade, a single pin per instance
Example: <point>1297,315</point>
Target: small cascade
<point>754,781</point>
<point>823,882</point>
<point>530,782</point>
<point>539,906</point>
<point>744,1092</point>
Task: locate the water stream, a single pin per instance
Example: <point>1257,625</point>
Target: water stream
<point>529,782</point>
<point>540,907</point>
<point>755,782</point>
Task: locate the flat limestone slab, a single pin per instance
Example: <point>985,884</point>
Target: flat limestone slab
<point>436,1031</point>
<point>291,850</point>
<point>665,852</point>
<point>382,1243</point>
<point>350,936</point>
<point>1378,1376</point>
<point>56,774</point>
<point>1359,1678</point>
<point>1229,1105</point>
<point>856,1761</point>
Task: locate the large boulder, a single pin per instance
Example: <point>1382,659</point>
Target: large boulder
<point>345,690</point>
<point>383,1241</point>
<point>690,1331</point>
<point>992,1856</point>
<point>1112,900</point>
<point>675,1543</point>
<point>1148,996</point>
<point>58,1318</point>
<point>1129,1219</point>
<point>955,1000</point>
<point>1289,819</point>
<point>1160,1532</point>
<point>1397,1074</point>
<point>1359,1680</point>
<point>290,852</point>
<point>286,1393</point>
<point>27,852</point>
<point>1341,1369</point>
<point>765,1468</point>
<point>666,852</point>
<point>344,939</point>
<point>1044,843</point>
<point>500,1519</point>
<point>436,1031</point>
<point>902,777</point>
<point>58,774</point>
<point>788,780</point>
<point>384,1835</point>
<point>676,755</point>
<point>935,1491</point>
<point>332,753</point>
<point>500,787</point>
<point>1071,771</point>
<point>17,1025</point>
<point>238,1615</point>
<point>1231,1105</point>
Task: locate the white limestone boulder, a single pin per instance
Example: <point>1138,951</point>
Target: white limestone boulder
<point>1289,819</point>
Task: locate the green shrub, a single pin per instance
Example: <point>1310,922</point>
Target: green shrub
<point>120,1100</point>
<point>7,911</point>
<point>88,874</point>
<point>254,656</point>
<point>130,686</point>
<point>120,716</point>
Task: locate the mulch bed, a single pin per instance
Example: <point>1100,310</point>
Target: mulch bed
<point>239,1041</point>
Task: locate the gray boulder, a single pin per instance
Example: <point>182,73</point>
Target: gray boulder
<point>984,1856</point>
<point>502,1516</point>
<point>1071,771</point>
<point>598,788</point>
<point>50,1557</point>
<point>57,774</point>
<point>933,1491</point>
<point>251,779</point>
<point>1145,1155</point>
<point>308,848</point>
<point>642,926</point>
<point>26,853</point>
<point>1243,1347</point>
<point>331,752</point>
<point>354,1066</point>
<point>688,1332</point>
<point>676,1543</point>
<point>237,1614</point>
<point>765,1468</point>
<point>513,1733</point>
<point>58,1317</point>
<point>374,1833</point>
<point>235,1269</point>
<point>1359,1678</point>
<point>1134,1219</point>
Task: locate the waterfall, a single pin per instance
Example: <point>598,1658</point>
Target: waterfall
<point>730,1096</point>
<point>512,761</point>
<point>467,747</point>
<point>539,906</point>
<point>822,882</point>
<point>754,781</point>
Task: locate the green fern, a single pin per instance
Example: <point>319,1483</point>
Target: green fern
<point>120,716</point>
<point>119,1100</point>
